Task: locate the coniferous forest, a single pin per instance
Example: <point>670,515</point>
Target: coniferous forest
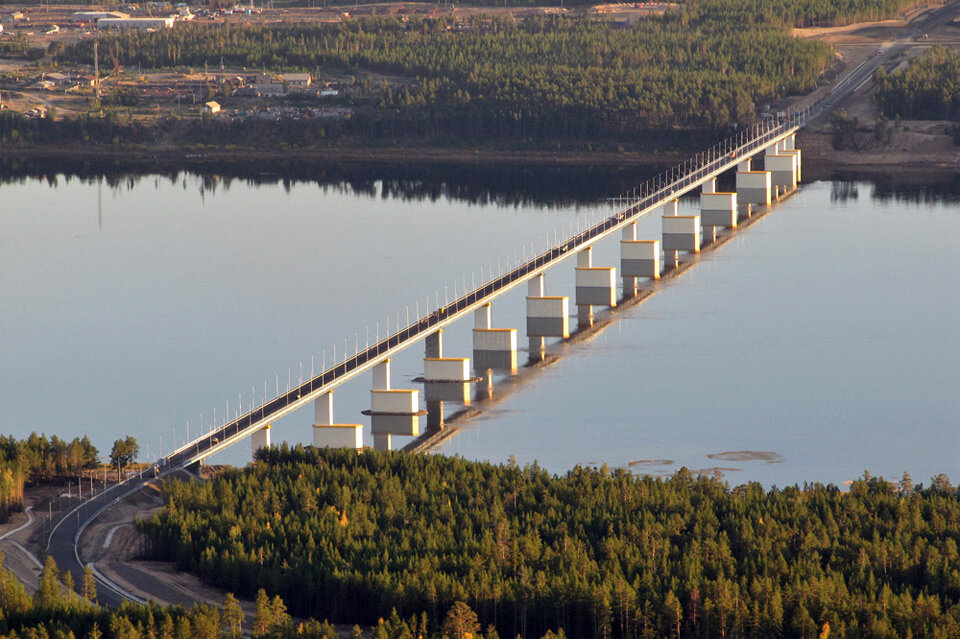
<point>928,89</point>
<point>544,79</point>
<point>351,536</point>
<point>39,458</point>
<point>542,82</point>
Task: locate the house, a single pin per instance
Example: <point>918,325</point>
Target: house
<point>297,80</point>
<point>57,78</point>
<point>141,24</point>
<point>211,108</point>
<point>91,17</point>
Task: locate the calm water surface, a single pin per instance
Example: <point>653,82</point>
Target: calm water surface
<point>820,342</point>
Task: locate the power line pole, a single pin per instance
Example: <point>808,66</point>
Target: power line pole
<point>96,67</point>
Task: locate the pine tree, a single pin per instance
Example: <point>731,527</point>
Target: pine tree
<point>233,615</point>
<point>89,584</point>
<point>48,594</point>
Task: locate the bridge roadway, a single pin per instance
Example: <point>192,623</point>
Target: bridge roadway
<point>720,160</point>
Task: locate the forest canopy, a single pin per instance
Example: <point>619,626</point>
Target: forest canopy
<point>542,79</point>
<point>39,458</point>
<point>928,89</point>
<point>350,536</point>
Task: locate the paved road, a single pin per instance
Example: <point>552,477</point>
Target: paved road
<point>864,71</point>
<point>62,544</point>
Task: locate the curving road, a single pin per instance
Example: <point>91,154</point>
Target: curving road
<point>62,542</point>
<point>864,71</point>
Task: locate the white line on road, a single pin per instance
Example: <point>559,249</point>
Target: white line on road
<point>112,585</point>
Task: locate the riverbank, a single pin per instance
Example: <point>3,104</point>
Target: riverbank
<point>390,155</point>
<point>917,151</point>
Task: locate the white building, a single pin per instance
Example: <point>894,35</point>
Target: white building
<point>136,23</point>
<point>93,16</point>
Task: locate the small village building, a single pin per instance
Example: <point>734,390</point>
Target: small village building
<point>211,108</point>
<point>297,80</point>
<point>137,23</point>
<point>91,17</point>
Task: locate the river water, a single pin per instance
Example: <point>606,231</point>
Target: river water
<point>818,343</point>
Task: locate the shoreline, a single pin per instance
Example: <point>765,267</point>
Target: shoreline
<point>386,155</point>
<point>817,154</point>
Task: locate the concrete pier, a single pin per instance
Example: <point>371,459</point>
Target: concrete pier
<point>547,317</point>
<point>628,234</point>
<point>796,152</point>
<point>640,258</point>
<point>495,348</point>
<point>445,379</point>
<point>446,369</point>
<point>783,170</point>
<point>395,412</point>
<point>754,187</point>
<point>260,439</point>
<point>392,411</point>
<point>433,345</point>
<point>596,286</point>
<point>381,375</point>
<point>327,433</point>
<point>717,210</point>
<point>680,233</point>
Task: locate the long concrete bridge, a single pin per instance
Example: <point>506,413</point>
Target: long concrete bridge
<point>397,411</point>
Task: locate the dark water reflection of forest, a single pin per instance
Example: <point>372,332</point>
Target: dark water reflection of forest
<point>504,184</point>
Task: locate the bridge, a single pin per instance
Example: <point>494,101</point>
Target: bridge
<point>496,348</point>
<point>398,411</point>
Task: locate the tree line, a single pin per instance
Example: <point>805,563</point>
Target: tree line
<point>542,79</point>
<point>62,609</point>
<point>39,458</point>
<point>351,536</point>
<point>928,89</point>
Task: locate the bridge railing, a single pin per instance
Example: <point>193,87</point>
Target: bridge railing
<point>650,193</point>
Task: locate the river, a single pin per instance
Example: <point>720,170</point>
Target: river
<point>818,343</point>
